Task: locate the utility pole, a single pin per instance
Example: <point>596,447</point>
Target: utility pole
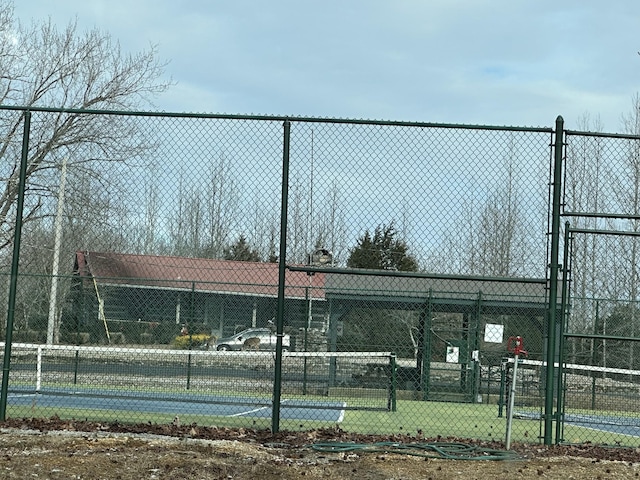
<point>56,256</point>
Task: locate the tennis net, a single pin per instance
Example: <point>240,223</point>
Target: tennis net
<point>135,380</point>
<point>601,399</point>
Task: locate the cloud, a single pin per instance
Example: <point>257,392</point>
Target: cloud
<point>458,61</point>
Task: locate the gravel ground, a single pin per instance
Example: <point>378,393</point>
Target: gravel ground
<point>60,449</point>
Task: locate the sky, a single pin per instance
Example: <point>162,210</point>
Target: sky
<point>493,62</point>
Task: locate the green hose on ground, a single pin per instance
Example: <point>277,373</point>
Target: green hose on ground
<point>442,450</point>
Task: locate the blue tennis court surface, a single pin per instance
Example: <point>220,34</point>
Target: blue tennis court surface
<point>183,404</point>
<point>624,425</point>
<point>613,424</point>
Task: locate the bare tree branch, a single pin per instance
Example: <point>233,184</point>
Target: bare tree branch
<point>41,65</point>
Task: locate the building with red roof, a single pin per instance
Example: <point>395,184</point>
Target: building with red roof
<point>211,295</point>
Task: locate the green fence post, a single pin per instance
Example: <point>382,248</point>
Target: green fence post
<point>562,329</point>
<point>593,356</point>
<point>189,324</point>
<point>333,342</point>
<point>306,339</point>
<point>475,354</point>
<point>425,371</point>
<point>6,365</point>
<point>553,281</point>
<point>277,375</point>
<point>393,385</point>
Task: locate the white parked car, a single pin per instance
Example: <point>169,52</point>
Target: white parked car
<point>252,339</point>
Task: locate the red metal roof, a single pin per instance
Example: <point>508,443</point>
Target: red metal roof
<point>200,274</point>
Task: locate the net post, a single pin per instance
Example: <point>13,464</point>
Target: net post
<point>76,365</point>
<point>38,368</point>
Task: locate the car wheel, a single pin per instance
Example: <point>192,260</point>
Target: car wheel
<point>223,348</point>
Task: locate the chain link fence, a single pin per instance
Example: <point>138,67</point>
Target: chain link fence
<point>599,379</point>
<point>290,273</point>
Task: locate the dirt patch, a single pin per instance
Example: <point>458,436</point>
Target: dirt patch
<point>57,449</point>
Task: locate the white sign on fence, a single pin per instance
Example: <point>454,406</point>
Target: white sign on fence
<point>453,354</point>
<point>494,333</point>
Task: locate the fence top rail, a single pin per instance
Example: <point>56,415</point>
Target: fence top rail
<point>595,231</point>
<point>625,136</point>
<point>279,118</point>
<point>623,216</point>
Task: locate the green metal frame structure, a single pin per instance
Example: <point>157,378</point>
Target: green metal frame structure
<point>426,302</point>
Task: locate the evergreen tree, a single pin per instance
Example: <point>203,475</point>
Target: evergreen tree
<point>241,251</point>
<point>383,251</point>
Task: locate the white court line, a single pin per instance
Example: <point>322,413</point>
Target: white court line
<point>342,412</point>
<point>248,412</point>
<point>239,414</point>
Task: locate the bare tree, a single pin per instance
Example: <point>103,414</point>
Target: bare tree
<point>43,66</point>
<point>148,231</point>
<point>177,224</point>
<point>410,320</point>
<point>492,236</point>
<point>585,192</point>
<point>185,226</point>
<point>501,247</point>
<point>330,226</point>
<point>626,192</point>
<point>457,252</point>
<point>264,228</point>
<point>206,214</point>
<point>90,221</point>
<point>298,225</point>
<point>222,207</point>
<point>600,180</point>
